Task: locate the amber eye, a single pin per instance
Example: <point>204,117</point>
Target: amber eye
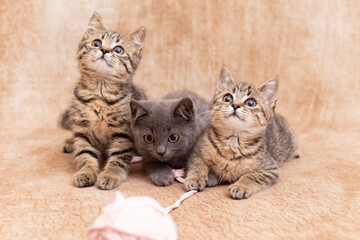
<point>173,138</point>
<point>250,102</point>
<point>227,98</point>
<point>148,138</point>
<point>119,50</point>
<point>96,43</point>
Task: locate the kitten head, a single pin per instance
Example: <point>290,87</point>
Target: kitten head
<point>106,52</point>
<point>163,129</point>
<point>241,106</point>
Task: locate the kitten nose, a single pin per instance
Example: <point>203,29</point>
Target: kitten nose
<point>104,51</point>
<point>161,150</point>
<point>235,106</point>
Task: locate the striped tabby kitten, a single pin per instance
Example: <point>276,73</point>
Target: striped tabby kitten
<point>100,112</point>
<point>165,132</point>
<point>246,141</point>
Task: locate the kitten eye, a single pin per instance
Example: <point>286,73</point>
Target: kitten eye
<point>250,102</point>
<point>148,138</point>
<point>96,43</point>
<point>119,50</point>
<point>227,98</point>
<point>173,138</point>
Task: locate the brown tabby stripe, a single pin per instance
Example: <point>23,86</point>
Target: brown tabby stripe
<point>264,114</point>
<point>120,165</point>
<point>82,99</point>
<point>126,67</point>
<point>89,70</point>
<point>249,91</point>
<point>254,141</point>
<point>83,136</point>
<point>116,76</point>
<point>88,152</point>
<point>214,145</point>
<point>123,151</point>
<point>131,62</point>
<point>125,158</point>
<point>122,135</point>
<point>82,123</point>
<point>253,153</point>
<point>119,124</point>
<point>257,116</point>
<point>112,102</point>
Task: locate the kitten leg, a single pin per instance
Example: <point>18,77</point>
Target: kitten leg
<point>197,175</point>
<point>86,157</point>
<point>116,169</point>
<point>253,182</point>
<point>159,173</point>
<point>68,146</point>
<point>212,180</point>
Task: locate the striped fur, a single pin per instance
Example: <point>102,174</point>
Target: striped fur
<point>100,112</point>
<point>244,145</point>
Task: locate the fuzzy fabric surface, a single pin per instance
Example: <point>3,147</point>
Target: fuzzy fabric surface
<point>313,46</point>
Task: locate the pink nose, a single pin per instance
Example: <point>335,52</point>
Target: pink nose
<point>104,51</point>
<point>235,106</point>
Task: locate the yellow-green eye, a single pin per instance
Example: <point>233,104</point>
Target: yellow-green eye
<point>250,102</point>
<point>148,138</point>
<point>227,98</point>
<point>119,50</point>
<point>96,43</point>
<point>173,138</point>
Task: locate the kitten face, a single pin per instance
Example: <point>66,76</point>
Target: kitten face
<point>239,106</point>
<point>107,52</point>
<point>163,128</point>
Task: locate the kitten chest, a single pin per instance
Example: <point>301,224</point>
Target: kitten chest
<point>226,167</point>
<point>102,118</point>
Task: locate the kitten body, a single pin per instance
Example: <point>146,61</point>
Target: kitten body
<point>166,130</point>
<point>246,141</point>
<point>99,115</point>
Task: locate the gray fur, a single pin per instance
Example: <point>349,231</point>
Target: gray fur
<point>280,141</point>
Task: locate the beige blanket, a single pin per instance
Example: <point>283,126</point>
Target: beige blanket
<point>314,47</point>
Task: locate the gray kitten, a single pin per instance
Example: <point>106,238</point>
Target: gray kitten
<point>166,130</point>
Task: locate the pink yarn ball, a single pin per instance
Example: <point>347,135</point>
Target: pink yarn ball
<point>133,218</point>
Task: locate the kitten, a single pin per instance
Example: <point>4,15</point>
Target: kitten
<point>100,111</point>
<point>246,141</point>
<point>165,132</point>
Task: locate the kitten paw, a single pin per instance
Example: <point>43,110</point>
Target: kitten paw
<point>68,146</point>
<point>84,178</point>
<point>194,183</point>
<point>162,179</point>
<point>239,191</point>
<point>108,181</point>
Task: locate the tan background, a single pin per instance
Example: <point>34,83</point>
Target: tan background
<point>314,46</point>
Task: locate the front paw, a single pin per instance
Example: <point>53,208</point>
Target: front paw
<point>239,191</point>
<point>84,178</point>
<point>194,183</point>
<point>108,181</point>
<point>68,146</point>
<point>161,179</point>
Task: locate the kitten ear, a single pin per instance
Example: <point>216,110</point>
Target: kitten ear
<point>95,25</point>
<point>137,110</point>
<point>269,90</point>
<point>225,79</point>
<point>185,109</point>
<point>137,38</point>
